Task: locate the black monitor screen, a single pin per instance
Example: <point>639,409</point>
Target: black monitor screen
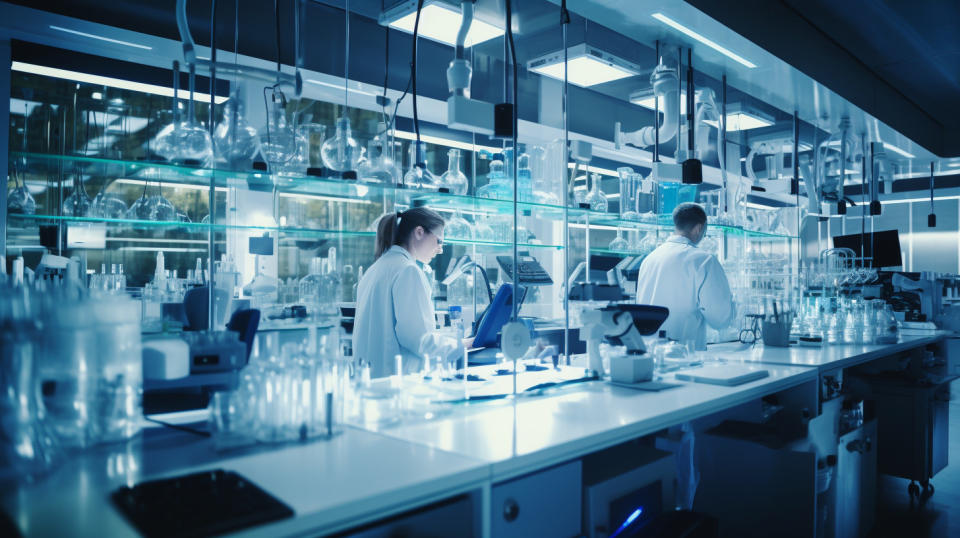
<point>883,247</point>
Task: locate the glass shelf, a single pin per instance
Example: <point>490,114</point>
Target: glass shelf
<point>194,229</point>
<point>347,191</point>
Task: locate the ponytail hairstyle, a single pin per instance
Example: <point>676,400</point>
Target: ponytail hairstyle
<point>396,228</point>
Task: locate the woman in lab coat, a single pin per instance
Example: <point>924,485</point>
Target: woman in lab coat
<point>394,305</point>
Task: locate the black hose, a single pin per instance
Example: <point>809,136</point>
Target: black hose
<point>413,75</point>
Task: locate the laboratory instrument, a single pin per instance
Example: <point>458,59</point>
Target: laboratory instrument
<point>622,325</point>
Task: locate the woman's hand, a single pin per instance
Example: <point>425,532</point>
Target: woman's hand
<point>467,343</point>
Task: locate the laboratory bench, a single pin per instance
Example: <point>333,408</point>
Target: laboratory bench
<point>477,466</point>
<point>351,479</point>
<point>827,357</point>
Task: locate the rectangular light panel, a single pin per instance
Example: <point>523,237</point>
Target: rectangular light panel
<point>440,22</point>
<point>742,121</point>
<point>110,81</point>
<point>708,42</point>
<point>584,70</point>
<point>100,37</point>
<point>899,151</point>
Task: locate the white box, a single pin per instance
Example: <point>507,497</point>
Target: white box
<point>631,368</point>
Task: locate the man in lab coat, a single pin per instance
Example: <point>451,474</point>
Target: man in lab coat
<point>688,281</point>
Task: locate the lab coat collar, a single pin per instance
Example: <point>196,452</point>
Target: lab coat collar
<point>402,251</point>
<point>680,239</point>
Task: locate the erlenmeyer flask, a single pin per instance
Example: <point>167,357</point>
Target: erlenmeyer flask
<point>419,174</point>
<point>482,231</point>
<point>453,179</point>
<point>140,208</point>
<point>235,139</point>
<point>78,203</point>
<point>596,198</point>
<point>458,227</point>
<point>162,209</point>
<point>19,199</point>
<point>341,152</point>
<point>278,142</point>
<point>165,143</point>
<point>108,205</point>
<point>193,143</point>
<point>378,168</point>
<point>313,134</point>
<point>619,244</point>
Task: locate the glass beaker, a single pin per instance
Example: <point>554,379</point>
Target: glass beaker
<point>629,189</point>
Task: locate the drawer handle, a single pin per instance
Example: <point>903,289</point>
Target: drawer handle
<point>511,510</point>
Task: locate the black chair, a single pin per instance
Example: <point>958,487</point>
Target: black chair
<point>196,307</point>
<point>245,322</point>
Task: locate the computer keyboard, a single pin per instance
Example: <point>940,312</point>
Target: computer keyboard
<point>201,504</point>
<point>531,272</point>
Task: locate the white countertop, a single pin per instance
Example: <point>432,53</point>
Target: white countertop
<point>356,477</point>
<point>827,357</point>
<point>519,435</point>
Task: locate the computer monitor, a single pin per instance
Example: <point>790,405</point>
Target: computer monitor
<point>883,247</point>
<point>496,316</point>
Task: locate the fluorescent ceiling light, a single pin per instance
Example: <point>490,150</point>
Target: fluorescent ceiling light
<point>645,99</point>
<point>710,43</point>
<point>446,142</point>
<point>920,200</point>
<point>954,164</point>
<point>109,81</point>
<point>340,87</point>
<point>596,170</point>
<point>586,66</point>
<point>439,22</point>
<point>100,37</point>
<point>742,121</point>
<point>593,226</point>
<point>902,152</point>
<point>169,185</point>
<point>766,207</point>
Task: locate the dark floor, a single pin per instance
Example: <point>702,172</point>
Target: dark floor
<point>939,517</point>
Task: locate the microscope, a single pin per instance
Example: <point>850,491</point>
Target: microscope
<point>623,325</point>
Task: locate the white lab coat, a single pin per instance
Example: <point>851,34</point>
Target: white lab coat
<point>692,284</point>
<point>395,316</point>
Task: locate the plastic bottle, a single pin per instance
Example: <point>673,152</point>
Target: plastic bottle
<point>456,321</point>
<point>659,347</point>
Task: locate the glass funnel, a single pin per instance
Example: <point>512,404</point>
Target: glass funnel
<point>341,152</point>
<point>453,179</point>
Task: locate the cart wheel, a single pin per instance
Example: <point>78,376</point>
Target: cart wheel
<point>913,490</point>
<point>927,491</point>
